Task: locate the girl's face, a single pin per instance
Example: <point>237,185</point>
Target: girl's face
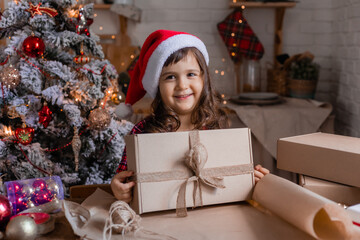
<point>181,84</point>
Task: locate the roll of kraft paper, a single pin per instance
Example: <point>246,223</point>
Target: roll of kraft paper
<point>318,216</point>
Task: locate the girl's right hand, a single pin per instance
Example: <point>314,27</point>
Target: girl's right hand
<point>120,188</point>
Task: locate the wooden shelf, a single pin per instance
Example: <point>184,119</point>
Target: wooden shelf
<point>279,18</point>
<point>102,6</point>
<point>235,4</point>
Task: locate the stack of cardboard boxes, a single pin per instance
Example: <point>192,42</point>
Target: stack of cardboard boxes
<point>328,164</point>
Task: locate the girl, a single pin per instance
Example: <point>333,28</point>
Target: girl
<point>173,69</point>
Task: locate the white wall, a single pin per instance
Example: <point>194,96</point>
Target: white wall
<point>330,29</point>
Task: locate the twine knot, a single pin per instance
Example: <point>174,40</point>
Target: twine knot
<point>195,160</point>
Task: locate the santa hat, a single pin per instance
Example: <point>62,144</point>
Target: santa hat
<point>154,53</point>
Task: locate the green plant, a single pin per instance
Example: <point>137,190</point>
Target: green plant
<point>304,69</point>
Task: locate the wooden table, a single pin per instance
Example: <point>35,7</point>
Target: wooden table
<point>226,221</point>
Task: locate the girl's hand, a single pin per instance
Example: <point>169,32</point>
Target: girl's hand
<point>260,172</point>
<point>121,190</point>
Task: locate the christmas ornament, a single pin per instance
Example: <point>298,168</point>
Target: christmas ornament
<point>53,187</point>
<point>5,211</point>
<point>33,192</point>
<point>76,146</point>
<point>27,190</point>
<point>240,38</point>
<point>83,23</point>
<point>44,222</point>
<point>20,228</point>
<point>117,97</point>
<point>33,10</point>
<point>99,119</point>
<point>10,77</point>
<point>39,184</point>
<point>81,59</point>
<point>15,187</point>
<point>25,134</point>
<point>30,204</point>
<point>45,115</point>
<point>42,196</point>
<point>39,217</point>
<point>19,205</point>
<point>33,46</point>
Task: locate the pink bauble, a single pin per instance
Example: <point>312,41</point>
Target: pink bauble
<point>39,184</point>
<point>5,211</point>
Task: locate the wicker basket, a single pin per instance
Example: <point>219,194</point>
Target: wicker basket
<point>277,81</point>
<point>301,88</point>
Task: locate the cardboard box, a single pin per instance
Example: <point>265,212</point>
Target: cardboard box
<point>165,152</point>
<point>326,156</point>
<point>337,192</point>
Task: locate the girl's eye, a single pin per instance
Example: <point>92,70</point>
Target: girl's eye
<point>191,74</point>
<point>170,77</point>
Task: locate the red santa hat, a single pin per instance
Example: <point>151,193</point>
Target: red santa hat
<point>154,53</point>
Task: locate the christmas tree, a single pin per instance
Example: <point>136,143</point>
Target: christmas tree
<point>58,95</point>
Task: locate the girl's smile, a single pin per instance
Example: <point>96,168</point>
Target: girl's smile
<point>183,97</point>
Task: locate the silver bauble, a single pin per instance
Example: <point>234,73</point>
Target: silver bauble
<point>53,187</point>
<point>27,190</point>
<point>21,228</point>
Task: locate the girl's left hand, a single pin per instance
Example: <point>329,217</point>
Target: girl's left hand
<point>260,172</point>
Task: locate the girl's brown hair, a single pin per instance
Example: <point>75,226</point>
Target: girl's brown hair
<point>206,115</point>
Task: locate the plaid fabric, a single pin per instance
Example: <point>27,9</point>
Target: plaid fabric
<point>239,38</point>
<point>138,128</point>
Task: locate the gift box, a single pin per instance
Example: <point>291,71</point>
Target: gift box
<point>327,156</point>
<point>28,193</point>
<point>185,169</point>
<point>337,192</point>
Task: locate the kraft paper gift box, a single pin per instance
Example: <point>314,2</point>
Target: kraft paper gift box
<point>165,181</point>
<point>327,156</point>
<point>336,192</point>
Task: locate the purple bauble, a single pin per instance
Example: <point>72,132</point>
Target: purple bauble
<point>15,187</point>
<point>42,196</point>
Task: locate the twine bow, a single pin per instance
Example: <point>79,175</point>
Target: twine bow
<point>195,160</point>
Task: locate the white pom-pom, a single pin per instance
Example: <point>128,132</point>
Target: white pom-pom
<point>124,111</point>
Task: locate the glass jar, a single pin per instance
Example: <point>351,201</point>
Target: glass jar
<point>251,75</point>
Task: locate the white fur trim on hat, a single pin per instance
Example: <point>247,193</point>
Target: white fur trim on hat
<point>157,59</point>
